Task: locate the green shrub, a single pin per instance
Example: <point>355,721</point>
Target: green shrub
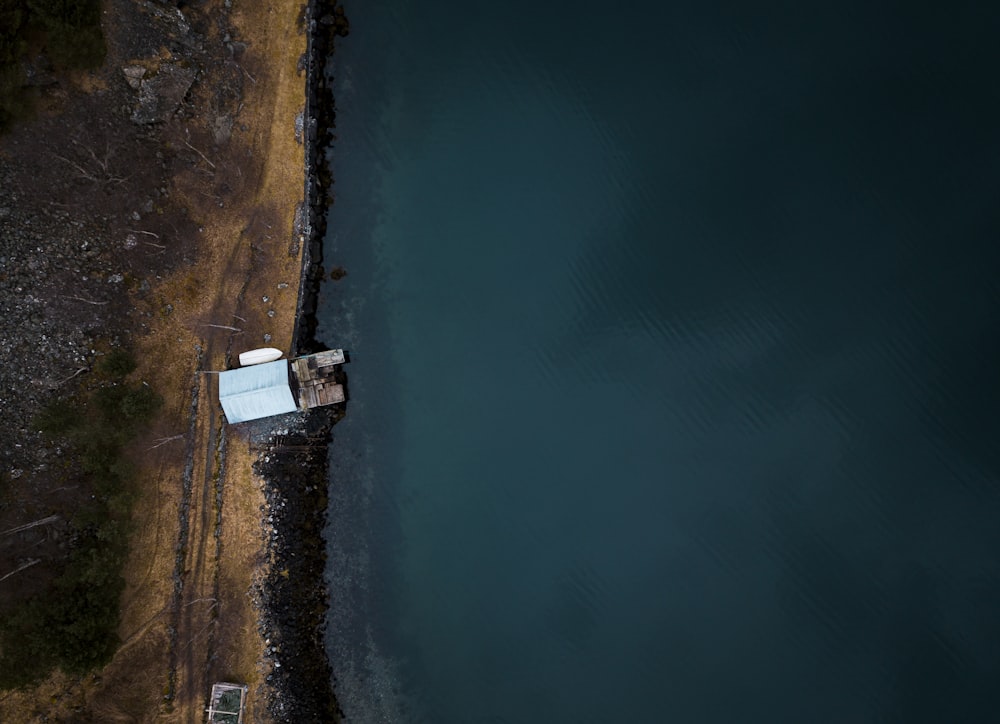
<point>118,363</point>
<point>14,103</point>
<point>140,403</point>
<point>73,31</point>
<point>68,32</point>
<point>58,417</point>
<point>123,404</point>
<point>99,454</point>
<point>73,627</point>
<point>74,13</point>
<point>12,17</point>
<point>27,654</point>
<point>70,47</point>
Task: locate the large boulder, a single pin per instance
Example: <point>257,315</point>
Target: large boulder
<point>161,93</point>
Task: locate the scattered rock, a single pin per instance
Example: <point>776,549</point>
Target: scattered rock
<point>134,75</point>
<point>292,600</point>
<point>222,129</point>
<point>160,95</point>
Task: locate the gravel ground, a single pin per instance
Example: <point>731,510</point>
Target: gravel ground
<point>61,290</point>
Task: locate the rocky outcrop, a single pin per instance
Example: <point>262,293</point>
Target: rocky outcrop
<point>161,93</point>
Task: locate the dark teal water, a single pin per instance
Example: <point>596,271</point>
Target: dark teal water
<point>674,353</point>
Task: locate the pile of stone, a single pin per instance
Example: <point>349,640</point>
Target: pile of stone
<point>292,600</point>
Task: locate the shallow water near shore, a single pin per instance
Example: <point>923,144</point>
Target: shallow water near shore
<point>673,338</point>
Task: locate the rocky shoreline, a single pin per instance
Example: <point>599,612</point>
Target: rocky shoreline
<point>292,462</point>
<point>292,599</point>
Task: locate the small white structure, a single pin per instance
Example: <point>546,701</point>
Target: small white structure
<point>262,390</point>
<point>259,356</point>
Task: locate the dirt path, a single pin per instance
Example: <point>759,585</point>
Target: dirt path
<point>200,617</point>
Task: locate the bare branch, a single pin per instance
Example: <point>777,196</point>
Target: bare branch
<point>78,372</point>
<point>198,600</point>
<point>200,154</point>
<point>103,167</point>
<point>83,172</point>
<point>165,440</point>
<point>21,567</point>
<point>27,526</point>
<point>81,299</point>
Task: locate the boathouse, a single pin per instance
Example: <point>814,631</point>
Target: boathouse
<point>274,388</point>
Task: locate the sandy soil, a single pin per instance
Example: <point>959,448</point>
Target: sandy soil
<point>188,616</point>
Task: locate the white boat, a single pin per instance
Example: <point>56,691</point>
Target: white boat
<point>259,356</point>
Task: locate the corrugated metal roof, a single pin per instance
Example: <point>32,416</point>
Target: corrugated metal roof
<point>249,393</point>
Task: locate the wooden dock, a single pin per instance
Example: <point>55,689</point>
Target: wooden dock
<point>316,378</point>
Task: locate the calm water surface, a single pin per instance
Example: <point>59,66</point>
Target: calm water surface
<point>674,346</point>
